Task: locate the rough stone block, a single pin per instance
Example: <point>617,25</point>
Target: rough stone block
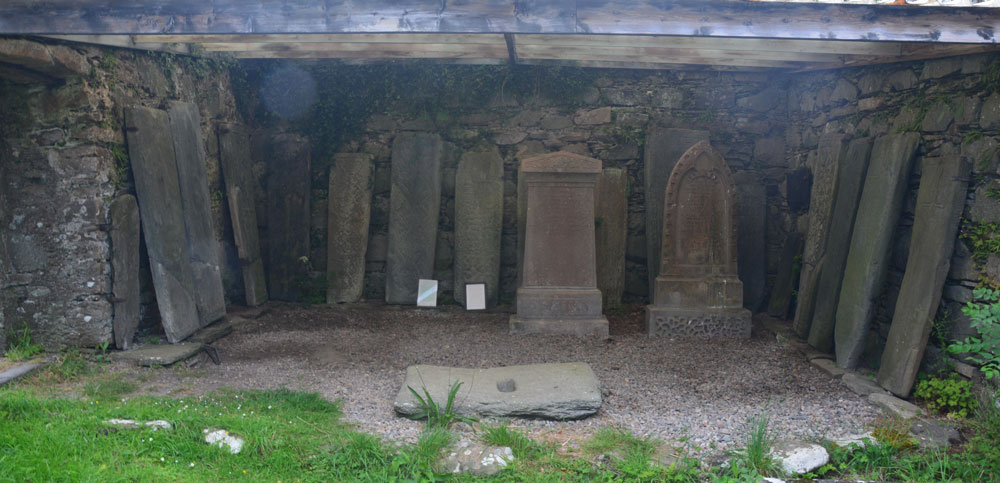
<point>348,216</point>
<point>610,217</point>
<point>829,367</point>
<point>478,223</point>
<point>860,384</point>
<point>893,406</point>
<point>234,157</point>
<point>125,268</point>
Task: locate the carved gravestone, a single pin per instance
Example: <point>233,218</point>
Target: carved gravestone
<point>611,217</point>
<point>478,223</point>
<point>663,148</point>
<point>558,292</point>
<point>414,205</point>
<point>940,200</point>
<point>348,216</point>
<point>189,152</point>
<point>287,216</point>
<point>125,268</point>
<point>698,292</point>
<point>234,156</point>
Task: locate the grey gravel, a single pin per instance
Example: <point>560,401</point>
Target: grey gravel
<point>691,392</point>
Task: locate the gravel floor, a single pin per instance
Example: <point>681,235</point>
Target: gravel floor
<point>694,391</point>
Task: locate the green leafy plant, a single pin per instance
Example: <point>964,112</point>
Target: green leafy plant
<point>101,352</point>
<point>951,396</point>
<point>755,458</point>
<point>438,417</point>
<point>983,239</point>
<point>984,313</point>
<point>21,345</point>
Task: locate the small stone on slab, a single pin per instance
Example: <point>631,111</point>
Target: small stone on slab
<point>212,333</point>
<point>18,371</point>
<point>161,355</point>
<point>860,384</point>
<point>894,406</point>
<point>553,391</point>
<point>829,367</point>
<point>796,457</point>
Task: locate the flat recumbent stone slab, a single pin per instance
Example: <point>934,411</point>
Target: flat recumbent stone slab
<point>552,391</point>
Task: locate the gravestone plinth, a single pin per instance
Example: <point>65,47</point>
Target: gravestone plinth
<point>558,292</point>
<point>698,292</point>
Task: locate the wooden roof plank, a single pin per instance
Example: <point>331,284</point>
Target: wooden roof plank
<point>392,38</point>
<point>718,43</point>
<point>558,51</point>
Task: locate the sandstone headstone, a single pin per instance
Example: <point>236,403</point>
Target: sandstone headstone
<point>553,391</point>
<point>867,261</point>
<point>699,293</point>
<point>781,293</point>
<point>125,268</point>
<point>825,166</point>
<point>558,291</point>
<point>750,198</point>
<point>610,218</point>
<point>415,201</point>
<point>234,156</point>
<point>348,216</point>
<point>151,152</point>
<point>853,168</point>
<point>288,193</point>
<point>663,148</point>
<point>478,223</point>
<point>189,153</point>
<point>940,201</point>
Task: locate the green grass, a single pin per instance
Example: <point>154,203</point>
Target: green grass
<point>523,447</point>
<point>108,387</point>
<point>754,459</point>
<point>21,346</point>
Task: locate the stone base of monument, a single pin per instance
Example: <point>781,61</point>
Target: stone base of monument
<point>722,323</point>
<point>563,311</point>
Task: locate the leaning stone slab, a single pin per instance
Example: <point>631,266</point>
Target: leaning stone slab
<point>234,154</point>
<point>664,147</point>
<point>611,220</point>
<point>414,202</point>
<point>212,333</point>
<point>478,223</point>
<point>940,201</point>
<point>894,406</point>
<point>125,268</point>
<point>348,217</point>
<point>189,154</point>
<point>553,391</point>
<point>750,198</point>
<point>288,193</point>
<point>860,384</point>
<point>161,354</point>
<point>151,152</point>
<point>14,373</point>
<point>829,367</point>
<point>867,261</point>
<point>781,293</point>
<point>826,169</point>
<point>853,168</point>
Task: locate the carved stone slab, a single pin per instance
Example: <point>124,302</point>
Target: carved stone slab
<point>151,152</point>
<point>348,217</point>
<point>478,223</point>
<point>611,217</point>
<point>125,268</point>
<point>287,215</point>
<point>234,152</point>
<point>784,282</point>
<point>698,284</point>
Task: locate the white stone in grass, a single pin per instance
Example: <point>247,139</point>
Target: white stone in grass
<point>123,423</point>
<point>797,457</point>
<point>158,424</point>
<point>222,438</point>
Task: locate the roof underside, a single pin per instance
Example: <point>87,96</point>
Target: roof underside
<point>717,34</point>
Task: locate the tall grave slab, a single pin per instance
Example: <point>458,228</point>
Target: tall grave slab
<point>125,268</point>
<point>151,152</point>
<point>478,223</point>
<point>611,218</point>
<point>853,168</point>
<point>867,261</point>
<point>558,293</point>
<point>751,212</point>
<point>189,153</point>
<point>698,292</point>
<point>414,204</point>
<point>664,146</point>
<point>940,201</point>
<point>348,216</point>
<point>825,166</point>
<point>234,154</point>
<point>784,282</point>
<point>287,215</point>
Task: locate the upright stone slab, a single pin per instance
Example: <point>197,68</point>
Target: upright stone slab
<point>288,193</point>
<point>414,203</point>
<point>853,168</point>
<point>784,282</point>
<point>611,219</point>
<point>664,146</point>
<point>751,212</point>
<point>867,261</point>
<point>558,293</point>
<point>940,201</point>
<point>825,166</point>
<point>699,293</point>
<point>189,153</point>
<point>478,223</point>
<point>151,152</point>
<point>125,269</point>
<point>234,153</point>
<point>348,216</point>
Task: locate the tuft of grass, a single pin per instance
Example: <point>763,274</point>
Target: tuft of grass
<point>21,345</point>
<point>755,458</point>
<point>438,417</point>
<point>107,388</point>
<point>70,365</point>
<point>523,447</point>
